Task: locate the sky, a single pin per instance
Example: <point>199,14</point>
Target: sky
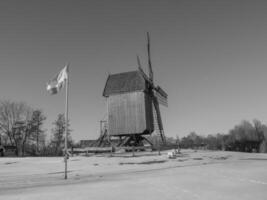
<point>210,56</point>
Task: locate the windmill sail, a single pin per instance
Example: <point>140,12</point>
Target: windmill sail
<point>158,126</point>
<point>161,96</point>
<point>143,73</point>
<point>149,58</point>
<point>139,63</point>
<point>157,94</point>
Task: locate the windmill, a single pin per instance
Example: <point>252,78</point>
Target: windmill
<point>159,96</point>
<point>133,105</point>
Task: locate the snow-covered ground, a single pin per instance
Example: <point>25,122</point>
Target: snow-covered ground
<point>192,175</point>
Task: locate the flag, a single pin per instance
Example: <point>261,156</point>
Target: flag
<point>54,85</point>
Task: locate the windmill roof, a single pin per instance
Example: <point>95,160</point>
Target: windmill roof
<point>124,82</point>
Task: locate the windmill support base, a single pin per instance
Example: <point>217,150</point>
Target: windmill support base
<point>131,142</point>
<point>134,142</point>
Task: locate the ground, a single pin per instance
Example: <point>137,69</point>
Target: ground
<point>192,175</point>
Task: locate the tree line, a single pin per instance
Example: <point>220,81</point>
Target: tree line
<point>244,137</point>
<point>21,128</point>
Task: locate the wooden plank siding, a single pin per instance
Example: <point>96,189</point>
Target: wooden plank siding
<point>129,113</point>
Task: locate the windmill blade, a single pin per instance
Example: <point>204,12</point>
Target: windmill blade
<point>157,119</point>
<point>143,73</point>
<point>161,99</point>
<point>141,69</point>
<point>161,96</point>
<point>139,63</point>
<point>161,91</point>
<point>149,58</point>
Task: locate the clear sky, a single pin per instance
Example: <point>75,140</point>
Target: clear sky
<point>210,56</point>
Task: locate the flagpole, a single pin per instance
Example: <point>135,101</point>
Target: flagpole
<point>66,126</point>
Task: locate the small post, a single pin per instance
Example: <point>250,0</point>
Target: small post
<point>158,145</point>
<point>109,141</point>
<point>133,150</point>
<point>134,143</point>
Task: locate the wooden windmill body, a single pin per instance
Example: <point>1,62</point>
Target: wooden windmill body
<point>133,105</point>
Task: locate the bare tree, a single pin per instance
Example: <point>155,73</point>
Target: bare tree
<point>259,129</point>
<point>14,117</point>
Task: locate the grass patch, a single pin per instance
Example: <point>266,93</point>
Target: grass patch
<point>197,158</point>
<point>9,163</point>
<point>181,160</point>
<point>261,159</point>
<point>143,163</point>
<point>220,157</point>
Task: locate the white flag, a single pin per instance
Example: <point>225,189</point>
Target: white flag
<point>54,85</point>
